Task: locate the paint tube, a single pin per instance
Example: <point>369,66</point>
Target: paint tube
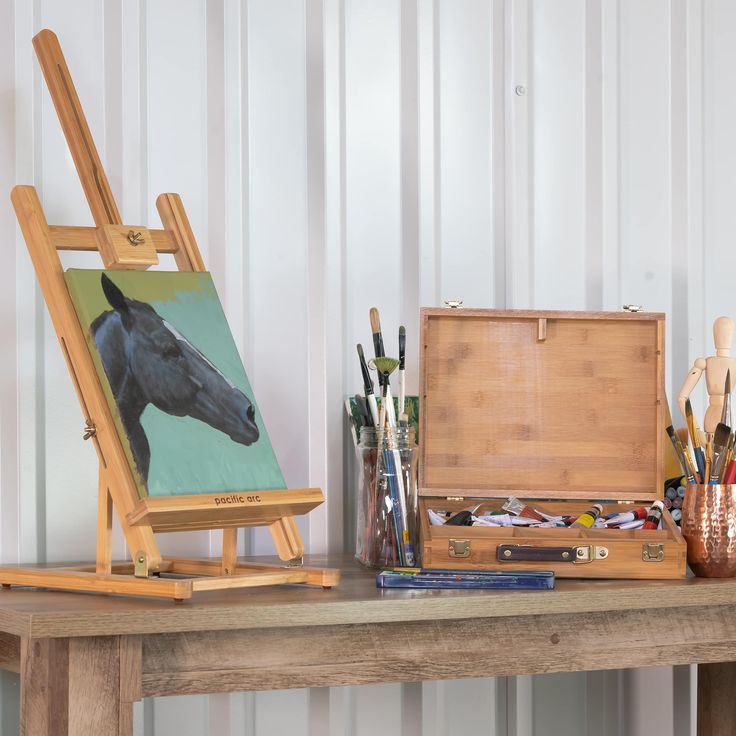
<point>519,508</point>
<point>435,519</point>
<point>494,519</point>
<point>654,516</point>
<point>626,516</point>
<point>586,520</point>
<point>638,524</point>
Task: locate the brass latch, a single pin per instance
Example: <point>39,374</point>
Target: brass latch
<point>652,552</point>
<point>140,565</point>
<point>459,548</point>
<point>590,552</point>
<point>632,308</point>
<point>454,303</point>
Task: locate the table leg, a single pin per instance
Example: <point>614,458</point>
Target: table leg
<point>76,687</point>
<point>716,700</point>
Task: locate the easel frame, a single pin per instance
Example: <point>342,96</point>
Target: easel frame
<point>123,246</point>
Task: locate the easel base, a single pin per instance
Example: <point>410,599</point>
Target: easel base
<point>188,576</point>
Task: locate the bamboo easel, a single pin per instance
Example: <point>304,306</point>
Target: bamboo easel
<point>123,246</point>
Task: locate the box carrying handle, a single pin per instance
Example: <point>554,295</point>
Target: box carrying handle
<point>528,553</point>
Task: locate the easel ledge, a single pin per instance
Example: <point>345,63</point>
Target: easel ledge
<point>135,247</point>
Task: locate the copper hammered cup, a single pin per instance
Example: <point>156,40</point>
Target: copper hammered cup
<point>709,527</point>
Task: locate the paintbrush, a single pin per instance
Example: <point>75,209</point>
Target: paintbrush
<point>370,396</point>
<point>380,353</point>
<point>686,467</point>
<point>402,374</point>
<point>692,425</point>
<point>377,339</point>
<point>720,447</point>
<point>365,413</point>
<point>726,411</point>
<point>387,366</point>
<point>681,433</point>
<point>729,456</point>
<point>729,475</point>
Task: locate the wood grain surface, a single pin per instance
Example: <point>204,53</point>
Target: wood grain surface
<point>75,680</point>
<point>355,601</point>
<point>327,656</point>
<point>577,414</point>
<point>716,702</point>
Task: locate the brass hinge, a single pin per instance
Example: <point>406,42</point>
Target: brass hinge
<point>652,552</point>
<point>454,303</point>
<point>455,498</point>
<point>140,565</point>
<point>589,552</point>
<point>459,548</point>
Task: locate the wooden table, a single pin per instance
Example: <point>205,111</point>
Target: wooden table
<point>84,659</point>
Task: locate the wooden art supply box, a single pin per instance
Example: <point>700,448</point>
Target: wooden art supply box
<point>563,409</point>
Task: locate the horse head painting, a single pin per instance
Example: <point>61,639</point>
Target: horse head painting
<point>149,362</point>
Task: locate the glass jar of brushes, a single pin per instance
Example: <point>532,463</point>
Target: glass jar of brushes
<point>387,530</point>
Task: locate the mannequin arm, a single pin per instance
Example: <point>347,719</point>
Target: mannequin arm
<point>691,380</point>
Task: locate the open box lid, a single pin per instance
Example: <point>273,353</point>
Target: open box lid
<point>538,404</point>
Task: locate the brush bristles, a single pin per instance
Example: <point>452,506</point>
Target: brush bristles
<point>386,365</point>
<point>402,331</point>
<point>360,352</point>
<point>375,320</point>
<point>723,432</point>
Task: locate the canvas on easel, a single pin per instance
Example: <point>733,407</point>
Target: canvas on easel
<point>166,401</point>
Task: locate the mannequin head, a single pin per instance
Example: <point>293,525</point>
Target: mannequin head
<point>723,335</point>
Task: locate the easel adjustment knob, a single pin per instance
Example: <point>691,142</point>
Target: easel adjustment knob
<point>135,238</point>
<point>89,429</point>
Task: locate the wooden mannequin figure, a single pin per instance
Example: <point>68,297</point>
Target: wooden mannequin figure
<point>715,368</point>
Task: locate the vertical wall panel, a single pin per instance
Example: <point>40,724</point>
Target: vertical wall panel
<point>372,172</point>
<point>70,499</point>
<point>719,214</point>
<point>465,151</point>
<point>277,278</point>
<point>557,87</point>
<point>646,235</point>
<point>610,173</point>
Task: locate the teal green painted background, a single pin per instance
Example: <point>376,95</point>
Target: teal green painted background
<point>187,456</point>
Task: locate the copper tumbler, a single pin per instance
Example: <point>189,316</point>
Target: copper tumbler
<point>709,527</point>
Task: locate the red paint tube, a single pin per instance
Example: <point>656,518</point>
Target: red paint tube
<point>654,516</point>
<point>627,516</point>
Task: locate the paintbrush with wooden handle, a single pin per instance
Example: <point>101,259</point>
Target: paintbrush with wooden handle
<point>383,380</point>
<point>370,396</point>
<point>720,447</point>
<point>694,430</point>
<point>684,462</point>
<point>403,418</point>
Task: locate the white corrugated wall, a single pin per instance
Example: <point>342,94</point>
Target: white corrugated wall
<point>336,154</point>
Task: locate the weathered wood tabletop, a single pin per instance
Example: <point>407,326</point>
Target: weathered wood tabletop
<point>84,659</point>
